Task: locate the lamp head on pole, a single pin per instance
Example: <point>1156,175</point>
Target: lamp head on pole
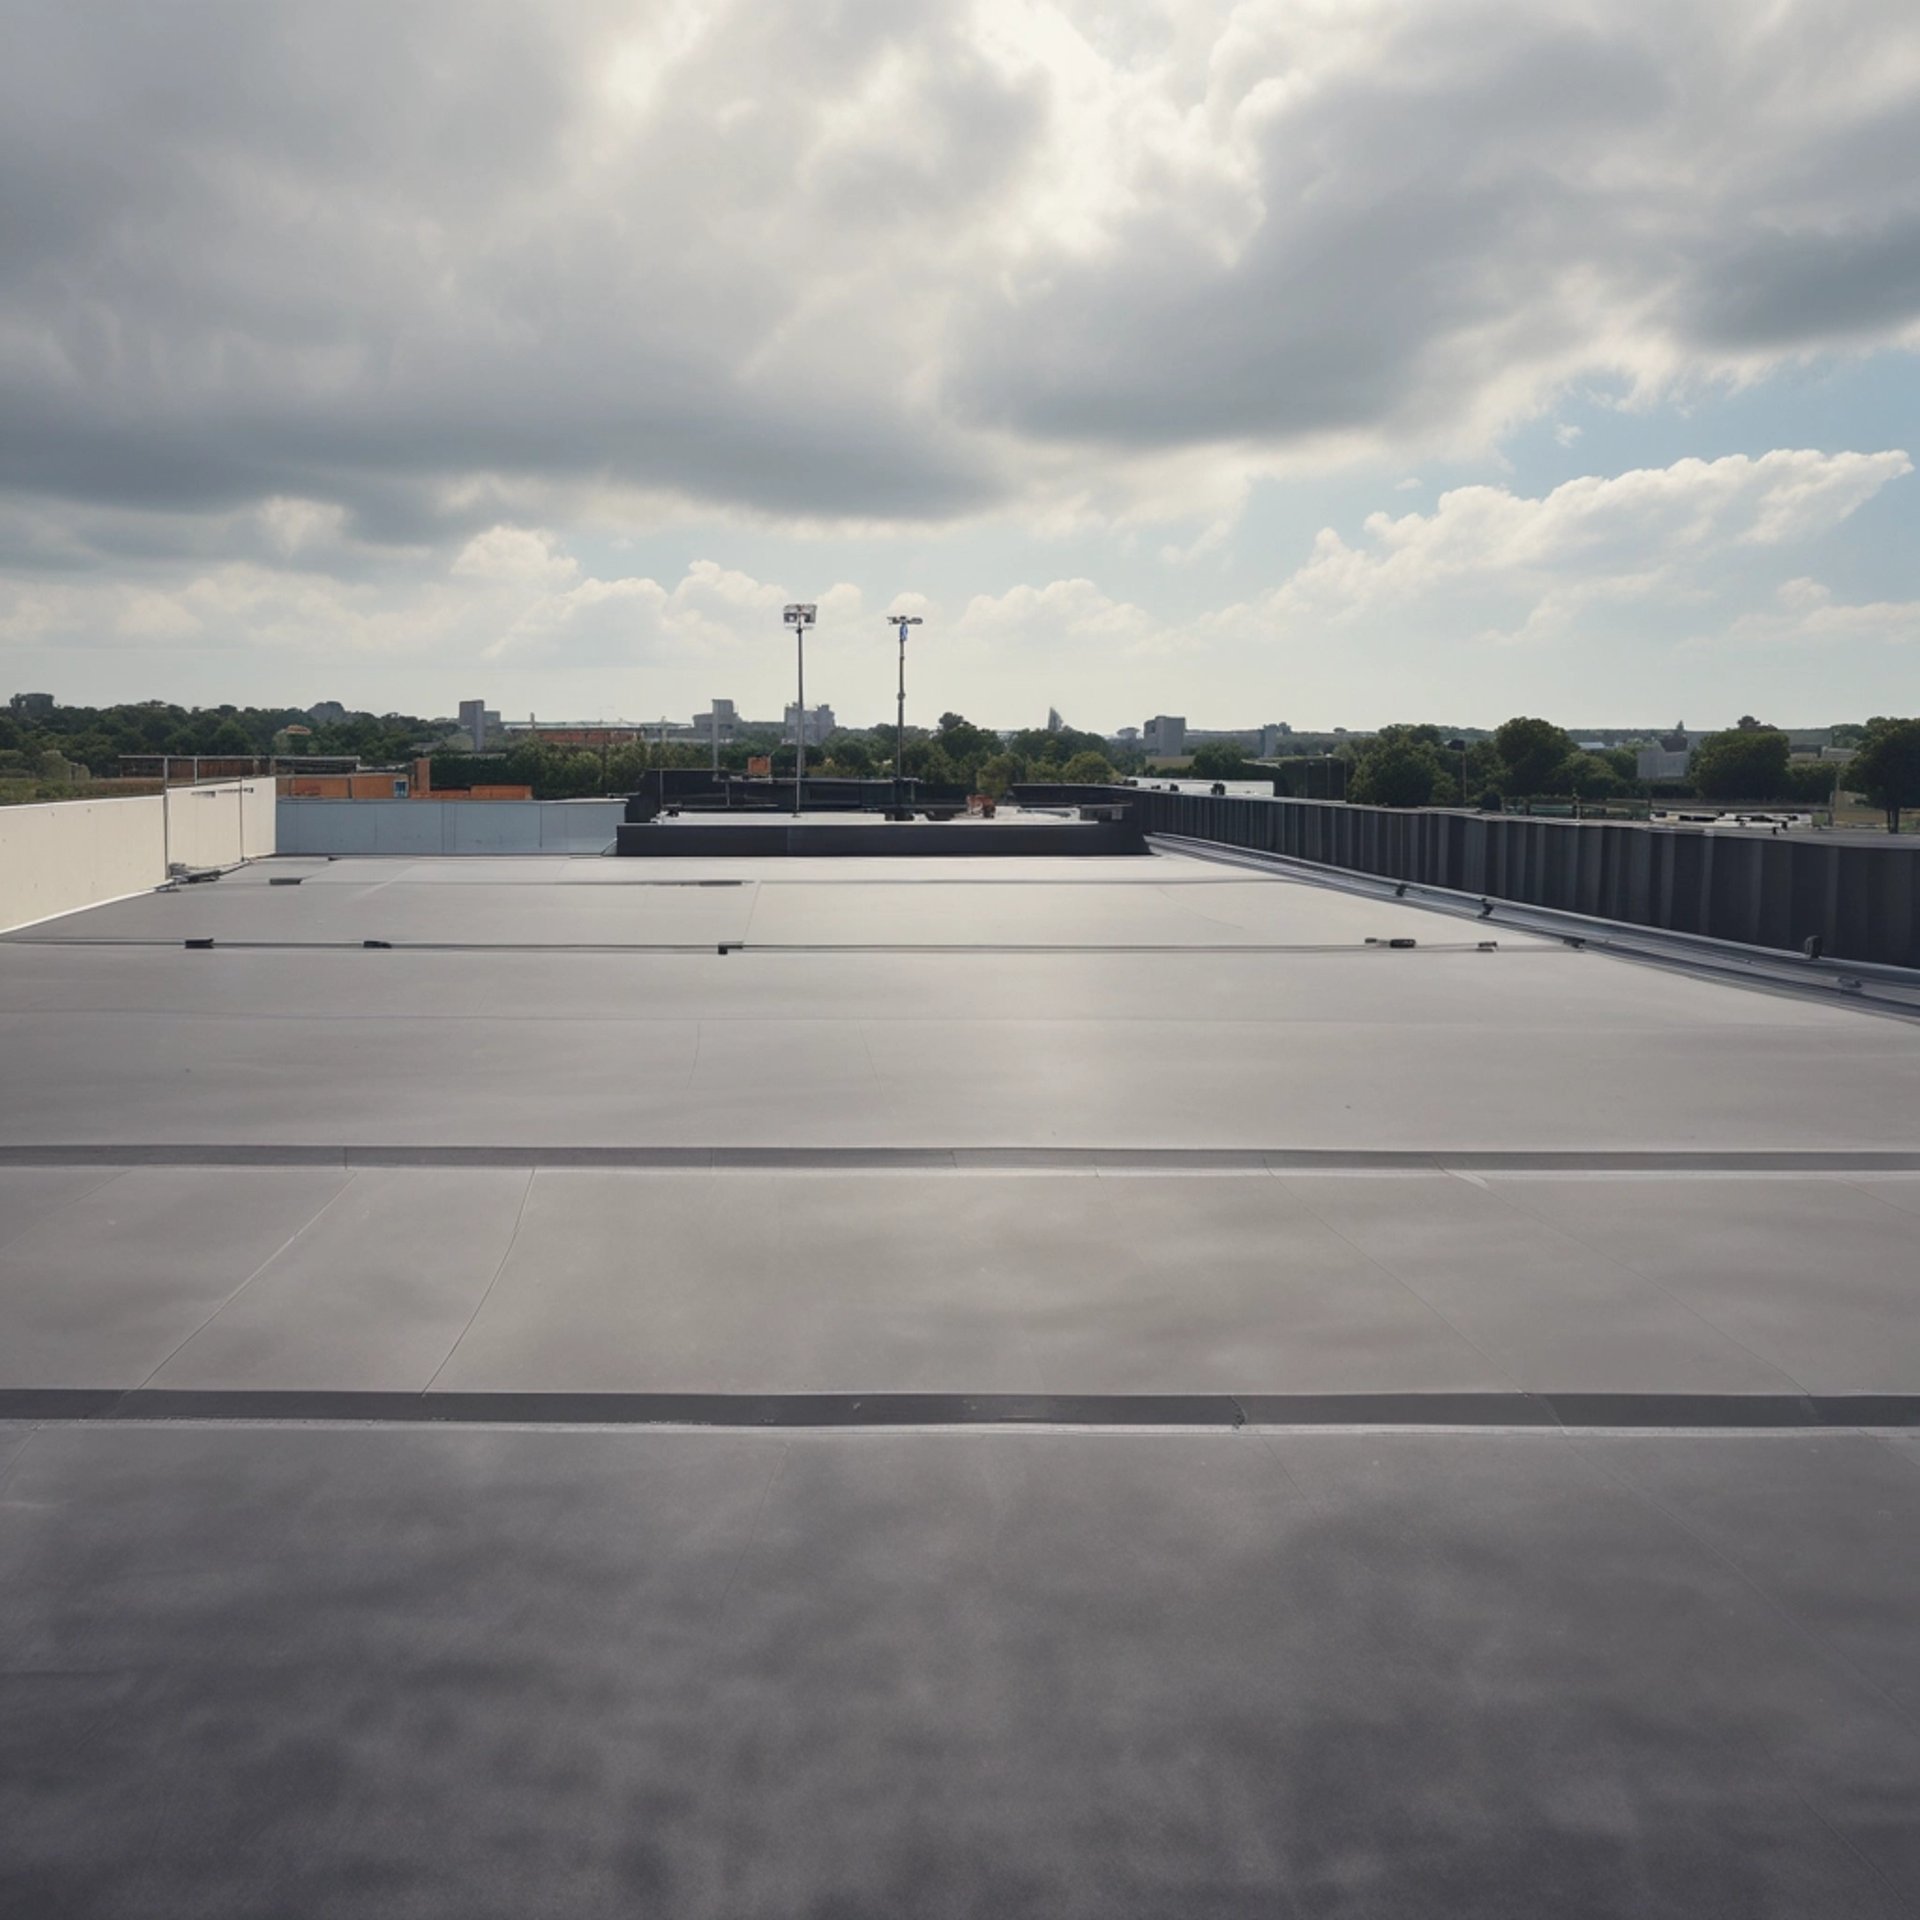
<point>800,614</point>
<point>903,621</point>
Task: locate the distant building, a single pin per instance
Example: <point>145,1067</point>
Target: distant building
<point>722,718</point>
<point>1662,763</point>
<point>479,722</point>
<point>1597,739</point>
<point>819,723</point>
<point>1168,735</point>
<point>594,735</point>
<point>294,739</point>
<point>1670,756</point>
<point>372,783</point>
<point>31,706</point>
<point>327,713</point>
<point>1054,722</point>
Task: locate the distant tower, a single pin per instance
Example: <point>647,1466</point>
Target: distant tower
<point>1054,722</point>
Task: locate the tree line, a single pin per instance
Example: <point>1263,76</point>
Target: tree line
<point>96,737</point>
<point>1401,766</point>
<point>956,753</point>
<point>1531,759</point>
<point>1751,762</point>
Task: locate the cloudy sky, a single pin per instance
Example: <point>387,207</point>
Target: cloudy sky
<point>1335,361</point>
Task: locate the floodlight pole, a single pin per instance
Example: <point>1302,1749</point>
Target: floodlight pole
<point>799,617</point>
<point>900,622</point>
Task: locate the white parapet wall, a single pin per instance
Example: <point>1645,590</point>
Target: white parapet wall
<point>221,825</point>
<point>76,853</point>
<point>69,854</point>
<point>424,828</point>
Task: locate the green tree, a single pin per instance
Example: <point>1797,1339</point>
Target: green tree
<point>1887,767</point>
<point>625,765</point>
<point>1591,777</point>
<point>1810,782</point>
<point>1742,764</point>
<point>996,774</point>
<point>1057,746</point>
<point>927,760</point>
<point>1398,772</point>
<point>964,745</point>
<point>1088,770</point>
<point>958,735</point>
<point>1531,754</point>
<point>90,749</point>
<point>1220,760</point>
<point>852,756</point>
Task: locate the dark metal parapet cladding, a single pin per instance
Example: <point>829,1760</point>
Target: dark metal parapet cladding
<point>1859,901</point>
<point>866,839</point>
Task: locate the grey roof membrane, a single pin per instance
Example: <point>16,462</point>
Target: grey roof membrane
<point>1040,1388</point>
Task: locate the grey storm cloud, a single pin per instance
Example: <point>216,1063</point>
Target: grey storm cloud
<point>352,252</point>
<point>1502,196</point>
<point>1787,290</point>
<point>884,262</point>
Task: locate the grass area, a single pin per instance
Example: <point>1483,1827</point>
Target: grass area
<point>29,792</point>
<point>1874,819</point>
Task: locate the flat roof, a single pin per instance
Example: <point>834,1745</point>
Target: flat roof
<point>1051,1386</point>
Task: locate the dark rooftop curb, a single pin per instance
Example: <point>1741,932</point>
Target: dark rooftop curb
<point>960,1159</point>
<point>1724,1411</point>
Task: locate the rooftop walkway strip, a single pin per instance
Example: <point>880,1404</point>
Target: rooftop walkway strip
<point>209,942</point>
<point>1676,1160</point>
<point>1481,1411</point>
